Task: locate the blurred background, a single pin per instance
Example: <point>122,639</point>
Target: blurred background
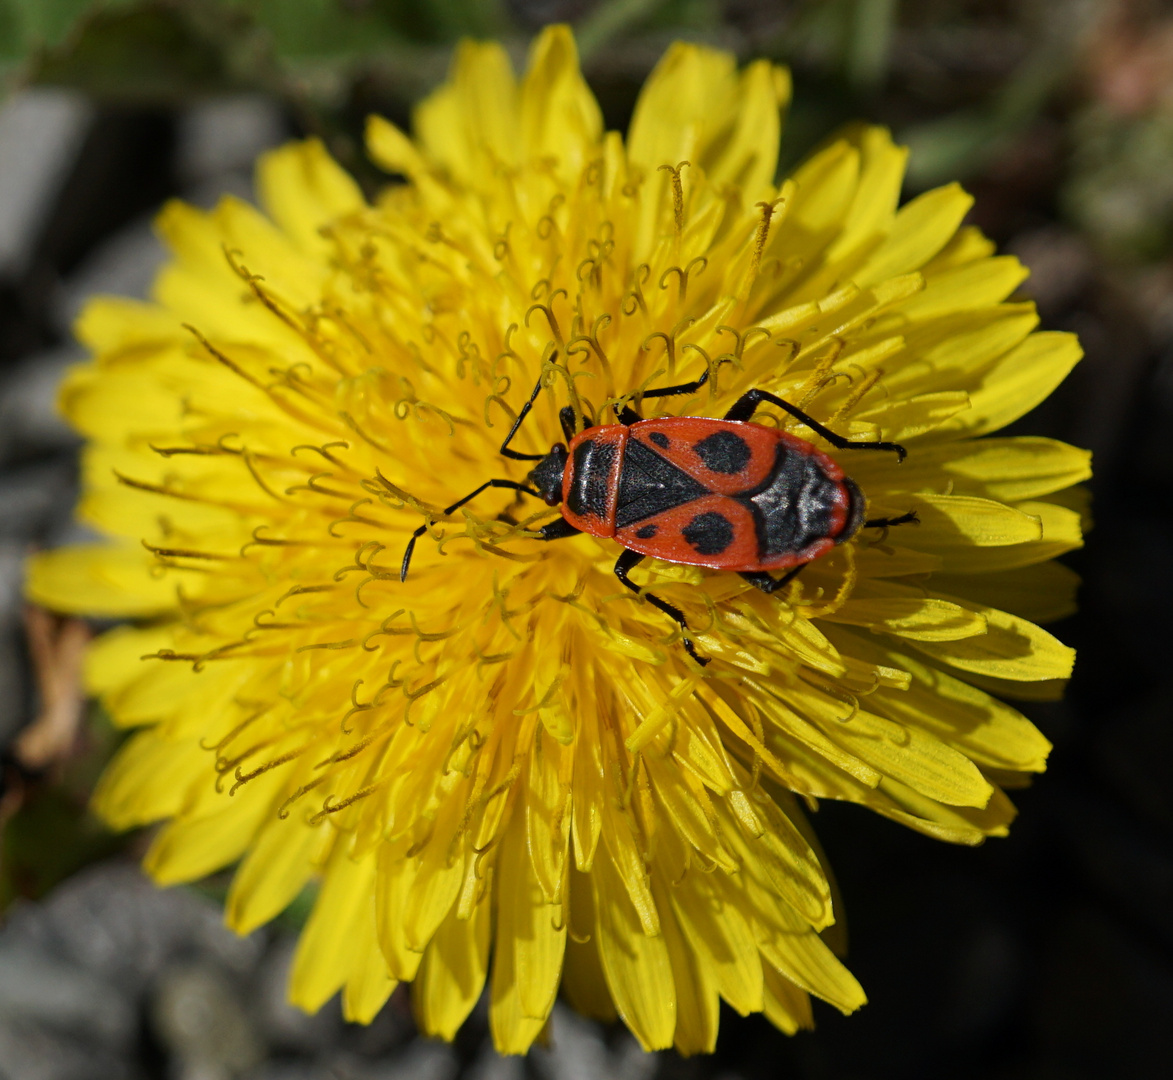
<point>1048,955</point>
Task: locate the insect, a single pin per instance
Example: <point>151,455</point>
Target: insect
<point>727,494</point>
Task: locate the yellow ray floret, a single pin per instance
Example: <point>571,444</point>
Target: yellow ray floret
<point>505,771</point>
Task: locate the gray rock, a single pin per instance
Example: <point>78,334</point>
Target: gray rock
<point>29,422</point>
<point>489,1065</point>
<point>422,1060</point>
<point>576,1050</point>
<point>295,1070</point>
<point>225,135</point>
<point>31,1052</point>
<point>125,265</point>
<point>199,1016</point>
<point>285,1027</point>
<point>12,555</point>
<point>111,921</point>
<point>37,499</point>
<point>41,133</point>
<point>629,1061</point>
<point>63,996</point>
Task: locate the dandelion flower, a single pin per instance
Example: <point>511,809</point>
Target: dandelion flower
<point>506,769</point>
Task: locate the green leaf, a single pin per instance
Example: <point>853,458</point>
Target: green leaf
<point>150,52</point>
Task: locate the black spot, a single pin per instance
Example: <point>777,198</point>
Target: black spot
<point>724,452</point>
<point>709,533</point>
<point>647,532</point>
<point>660,439</point>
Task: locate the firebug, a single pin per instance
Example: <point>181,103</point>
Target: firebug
<point>726,494</point>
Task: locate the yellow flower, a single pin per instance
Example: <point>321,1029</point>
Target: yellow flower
<point>507,768</point>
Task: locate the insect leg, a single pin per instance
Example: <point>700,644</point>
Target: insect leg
<point>683,388</point>
<point>558,530</point>
<point>628,415</point>
<point>768,584</point>
<point>515,454</point>
<point>886,523</point>
<point>745,406</point>
<point>510,485</point>
<point>623,564</point>
<point>567,420</point>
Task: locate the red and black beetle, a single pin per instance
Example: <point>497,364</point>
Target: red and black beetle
<point>728,494</point>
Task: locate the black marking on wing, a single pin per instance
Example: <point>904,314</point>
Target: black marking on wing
<point>646,532</point>
<point>592,476</point>
<point>650,484</point>
<point>724,452</point>
<point>793,507</point>
<point>709,533</point>
<point>660,439</point>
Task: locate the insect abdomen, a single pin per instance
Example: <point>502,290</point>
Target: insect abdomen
<point>798,506</point>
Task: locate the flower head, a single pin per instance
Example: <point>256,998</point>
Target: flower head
<point>506,768</point>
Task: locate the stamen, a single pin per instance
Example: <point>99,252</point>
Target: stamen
<point>329,807</point>
<point>283,810</point>
<point>283,759</point>
<point>763,230</point>
<point>184,553</point>
<point>677,195</point>
<point>635,293</point>
<point>324,450</point>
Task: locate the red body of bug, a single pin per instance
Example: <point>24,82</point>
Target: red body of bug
<point>729,495</point>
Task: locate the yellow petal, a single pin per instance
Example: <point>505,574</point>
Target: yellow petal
<point>558,114</point>
<point>513,1031</point>
<point>391,149</point>
<point>688,101</point>
<point>637,967</point>
<point>303,188</point>
<point>921,229</point>
<point>1012,648</point>
<point>453,972</point>
<point>969,286</point>
<point>111,581</point>
<point>583,979</point>
<point>805,961</point>
<point>1007,470</point>
<point>1042,592</point>
<point>698,1003</point>
<point>368,983</point>
<point>923,618</point>
<point>919,760</point>
<point>988,731</point>
<point>787,1007</point>
<point>284,857</point>
<point>873,209</point>
<point>1018,382</point>
<point>340,926</point>
<point>190,848</point>
<point>723,944</point>
<point>471,121</point>
<point>115,658</point>
<point>149,780</point>
<point>535,927</point>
